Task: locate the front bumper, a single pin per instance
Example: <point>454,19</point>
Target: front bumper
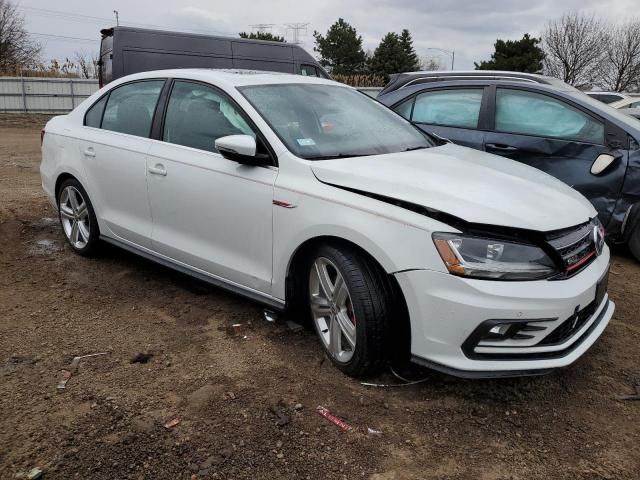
<point>446,310</point>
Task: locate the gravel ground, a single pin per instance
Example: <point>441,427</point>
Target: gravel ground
<point>245,392</point>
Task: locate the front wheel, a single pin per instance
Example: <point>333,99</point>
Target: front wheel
<point>350,303</point>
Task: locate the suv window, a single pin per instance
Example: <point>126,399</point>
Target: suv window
<point>452,108</point>
<point>130,108</point>
<point>198,115</point>
<point>632,105</point>
<point>536,114</point>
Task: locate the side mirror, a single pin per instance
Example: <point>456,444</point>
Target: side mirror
<point>241,149</point>
<point>602,163</point>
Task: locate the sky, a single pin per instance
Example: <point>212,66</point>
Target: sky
<point>468,27</point>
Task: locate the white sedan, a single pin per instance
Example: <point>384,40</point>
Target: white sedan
<point>306,195</point>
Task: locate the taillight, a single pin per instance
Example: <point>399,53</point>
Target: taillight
<point>42,132</point>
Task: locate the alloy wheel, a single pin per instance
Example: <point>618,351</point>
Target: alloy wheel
<point>74,216</point>
<point>332,309</point>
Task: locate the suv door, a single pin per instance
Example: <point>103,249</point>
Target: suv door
<point>452,113</point>
<point>559,138</point>
<point>210,213</point>
<point>114,142</point>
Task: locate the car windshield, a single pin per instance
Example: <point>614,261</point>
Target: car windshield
<point>318,122</point>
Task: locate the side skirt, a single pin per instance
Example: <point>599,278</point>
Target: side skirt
<point>233,287</point>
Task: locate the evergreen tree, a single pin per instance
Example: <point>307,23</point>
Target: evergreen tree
<point>262,36</point>
<point>412,62</point>
<point>395,54</point>
<point>388,57</point>
<point>340,49</point>
<point>515,55</point>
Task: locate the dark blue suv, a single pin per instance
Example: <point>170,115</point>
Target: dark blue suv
<point>539,121</point>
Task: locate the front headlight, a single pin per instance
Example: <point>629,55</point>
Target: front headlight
<point>492,259</point>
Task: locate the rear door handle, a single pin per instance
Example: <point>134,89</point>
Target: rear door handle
<point>158,169</point>
<point>500,148</point>
<point>89,152</point>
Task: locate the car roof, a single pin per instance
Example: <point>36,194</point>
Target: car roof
<point>229,77</point>
<point>624,101</point>
<point>403,80</point>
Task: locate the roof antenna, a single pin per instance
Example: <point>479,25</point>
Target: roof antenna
<point>115,12</point>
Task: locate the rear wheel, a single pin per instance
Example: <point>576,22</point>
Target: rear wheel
<point>77,217</point>
<point>349,302</point>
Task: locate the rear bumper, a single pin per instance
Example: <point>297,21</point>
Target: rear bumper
<point>446,311</point>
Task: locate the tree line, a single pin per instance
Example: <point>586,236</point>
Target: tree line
<point>579,49</point>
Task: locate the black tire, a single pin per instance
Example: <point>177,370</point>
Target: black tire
<point>634,242</point>
<point>89,245</point>
<point>371,301</point>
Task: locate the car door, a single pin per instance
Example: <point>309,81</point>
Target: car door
<point>549,133</point>
<point>209,213</point>
<point>452,113</point>
<point>113,143</point>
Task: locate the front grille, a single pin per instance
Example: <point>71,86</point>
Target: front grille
<point>576,246</point>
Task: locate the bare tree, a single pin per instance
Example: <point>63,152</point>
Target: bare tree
<point>87,64</point>
<point>621,65</point>
<point>574,47</point>
<point>17,49</point>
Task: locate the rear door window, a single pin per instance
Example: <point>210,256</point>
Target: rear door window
<point>130,108</point>
<point>530,113</point>
<point>197,115</point>
<point>451,108</point>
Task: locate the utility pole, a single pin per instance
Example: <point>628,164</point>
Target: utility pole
<point>115,12</point>
<point>296,28</point>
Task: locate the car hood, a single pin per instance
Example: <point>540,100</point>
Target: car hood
<point>475,186</point>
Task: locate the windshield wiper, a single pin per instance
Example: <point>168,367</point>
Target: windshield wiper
<point>340,155</point>
<point>415,148</point>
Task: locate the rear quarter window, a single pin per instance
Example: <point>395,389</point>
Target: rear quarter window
<point>130,108</point>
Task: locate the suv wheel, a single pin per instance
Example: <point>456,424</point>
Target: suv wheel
<point>77,217</point>
<point>349,302</point>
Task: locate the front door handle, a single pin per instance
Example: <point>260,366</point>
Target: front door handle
<point>89,152</point>
<point>497,147</point>
<point>158,169</point>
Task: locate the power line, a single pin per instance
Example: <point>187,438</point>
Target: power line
<point>263,27</point>
<point>64,37</point>
<point>77,17</point>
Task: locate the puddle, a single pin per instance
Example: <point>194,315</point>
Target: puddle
<point>44,247</point>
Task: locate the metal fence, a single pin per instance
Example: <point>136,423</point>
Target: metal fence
<point>43,95</point>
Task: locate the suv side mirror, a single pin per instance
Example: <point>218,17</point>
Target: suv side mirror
<point>241,149</point>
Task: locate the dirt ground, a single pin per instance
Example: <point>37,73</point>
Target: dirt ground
<point>245,391</point>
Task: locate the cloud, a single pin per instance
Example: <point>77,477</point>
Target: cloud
<point>470,27</point>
